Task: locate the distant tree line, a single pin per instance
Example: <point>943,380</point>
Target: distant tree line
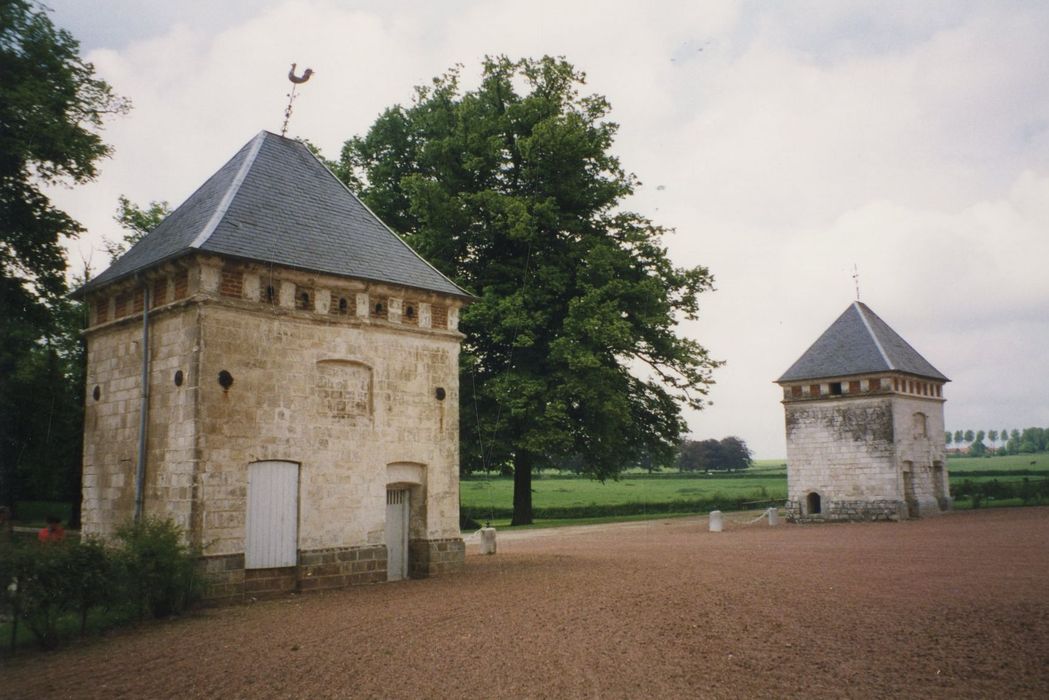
<point>713,455</point>
<point>1026,441</point>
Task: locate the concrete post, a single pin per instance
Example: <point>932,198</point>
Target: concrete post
<point>487,540</point>
<point>716,522</point>
<point>773,516</point>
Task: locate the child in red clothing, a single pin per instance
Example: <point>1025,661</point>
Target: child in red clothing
<point>54,532</point>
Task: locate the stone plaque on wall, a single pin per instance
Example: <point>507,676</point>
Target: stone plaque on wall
<point>344,388</point>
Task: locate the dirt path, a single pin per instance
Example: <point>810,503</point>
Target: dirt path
<point>950,607</point>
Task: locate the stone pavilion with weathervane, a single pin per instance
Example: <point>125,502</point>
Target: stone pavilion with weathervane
<point>865,425</point>
<point>277,371</point>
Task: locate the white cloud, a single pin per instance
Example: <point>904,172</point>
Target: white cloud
<point>790,143</point>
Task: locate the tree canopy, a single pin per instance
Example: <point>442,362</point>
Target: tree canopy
<point>512,190</point>
<point>51,106</point>
<point>136,221</point>
<point>714,455</point>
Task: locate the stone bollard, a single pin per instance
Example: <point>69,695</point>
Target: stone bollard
<point>773,516</point>
<point>487,540</point>
<point>716,523</point>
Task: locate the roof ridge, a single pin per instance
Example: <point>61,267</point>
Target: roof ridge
<point>378,218</point>
<point>874,336</point>
<point>231,192</point>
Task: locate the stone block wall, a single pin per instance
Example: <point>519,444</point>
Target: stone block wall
<point>330,384</point>
<point>842,449</point>
<point>846,511</point>
<point>322,569</point>
<point>112,414</point>
<point>436,557</point>
<point>871,448</point>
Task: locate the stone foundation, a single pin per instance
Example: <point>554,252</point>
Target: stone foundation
<point>436,557</point>
<point>227,581</point>
<point>338,567</point>
<point>849,511</point>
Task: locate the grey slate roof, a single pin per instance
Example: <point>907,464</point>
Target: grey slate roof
<point>857,343</point>
<point>275,202</point>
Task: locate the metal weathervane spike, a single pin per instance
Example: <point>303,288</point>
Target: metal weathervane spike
<point>296,80</point>
<point>856,279</point>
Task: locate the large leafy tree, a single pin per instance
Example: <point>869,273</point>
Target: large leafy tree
<point>51,106</point>
<point>571,348</point>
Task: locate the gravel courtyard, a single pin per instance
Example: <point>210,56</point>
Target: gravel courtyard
<point>956,606</point>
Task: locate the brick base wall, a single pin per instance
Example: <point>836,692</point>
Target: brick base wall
<point>338,567</point>
<point>849,511</point>
<point>227,581</point>
<point>436,557</point>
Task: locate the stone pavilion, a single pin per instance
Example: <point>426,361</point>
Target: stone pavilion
<point>277,371</point>
<point>864,421</point>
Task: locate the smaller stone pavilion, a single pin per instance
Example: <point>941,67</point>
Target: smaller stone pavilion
<point>864,418</point>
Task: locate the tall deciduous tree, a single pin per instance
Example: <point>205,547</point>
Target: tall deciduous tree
<point>51,106</point>
<point>571,347</point>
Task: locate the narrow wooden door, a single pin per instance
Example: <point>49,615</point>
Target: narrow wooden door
<point>396,534</point>
<point>272,520</point>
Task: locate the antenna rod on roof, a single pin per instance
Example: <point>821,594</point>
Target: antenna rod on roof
<point>856,279</point>
<point>296,80</point>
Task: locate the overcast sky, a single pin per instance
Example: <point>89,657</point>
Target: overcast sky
<point>785,143</point>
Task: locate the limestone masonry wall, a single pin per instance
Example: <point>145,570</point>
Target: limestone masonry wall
<point>354,381</point>
<point>870,450</point>
<point>842,449</point>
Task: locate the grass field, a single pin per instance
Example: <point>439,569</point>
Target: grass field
<point>766,481</point>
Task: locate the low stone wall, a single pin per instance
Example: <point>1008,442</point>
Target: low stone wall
<point>848,511</point>
<point>436,557</point>
<point>338,567</point>
<point>227,581</point>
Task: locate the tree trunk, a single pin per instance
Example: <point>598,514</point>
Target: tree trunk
<point>522,489</point>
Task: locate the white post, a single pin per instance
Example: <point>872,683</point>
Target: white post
<point>716,523</point>
<point>773,516</point>
<point>487,540</point>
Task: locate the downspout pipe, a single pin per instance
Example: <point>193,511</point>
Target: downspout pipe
<point>143,424</point>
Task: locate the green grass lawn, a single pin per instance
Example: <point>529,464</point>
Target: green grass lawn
<point>1035,462</point>
<point>767,480</point>
<point>564,492</point>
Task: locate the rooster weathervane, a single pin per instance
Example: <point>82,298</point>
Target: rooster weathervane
<point>296,80</point>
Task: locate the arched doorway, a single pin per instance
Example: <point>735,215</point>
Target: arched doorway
<point>812,504</point>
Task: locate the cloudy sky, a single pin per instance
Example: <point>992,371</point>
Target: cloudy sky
<point>785,142</point>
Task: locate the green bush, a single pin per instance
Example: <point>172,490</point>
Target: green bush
<point>92,571</point>
<point>36,588</point>
<point>159,572</point>
<point>52,588</point>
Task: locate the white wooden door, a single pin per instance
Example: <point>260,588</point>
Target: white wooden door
<point>396,534</point>
<point>272,527</point>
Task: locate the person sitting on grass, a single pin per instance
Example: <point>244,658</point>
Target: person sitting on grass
<point>54,532</point>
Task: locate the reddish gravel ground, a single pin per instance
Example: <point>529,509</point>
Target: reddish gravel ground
<point>956,606</point>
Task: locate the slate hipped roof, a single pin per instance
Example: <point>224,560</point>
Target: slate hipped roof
<point>275,202</point>
<point>859,343</point>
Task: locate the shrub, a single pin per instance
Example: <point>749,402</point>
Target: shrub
<point>91,576</point>
<point>158,571</point>
<point>39,588</point>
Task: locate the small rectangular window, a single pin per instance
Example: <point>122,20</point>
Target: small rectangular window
<point>835,388</point>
